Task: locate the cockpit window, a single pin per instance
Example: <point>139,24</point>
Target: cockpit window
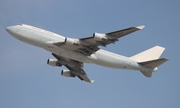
<point>21,24</point>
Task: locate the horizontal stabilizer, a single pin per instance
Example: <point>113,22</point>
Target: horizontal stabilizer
<point>153,63</point>
<point>147,73</point>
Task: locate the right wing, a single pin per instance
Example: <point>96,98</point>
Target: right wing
<point>75,67</point>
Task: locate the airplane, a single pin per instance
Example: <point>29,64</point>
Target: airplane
<point>73,53</point>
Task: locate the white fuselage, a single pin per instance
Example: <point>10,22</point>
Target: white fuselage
<point>42,38</point>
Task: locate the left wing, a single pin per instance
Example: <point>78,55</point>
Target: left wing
<point>107,38</point>
<point>111,37</point>
<point>89,45</point>
<point>75,67</point>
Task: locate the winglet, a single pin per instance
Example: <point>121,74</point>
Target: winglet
<point>140,27</point>
<point>92,81</point>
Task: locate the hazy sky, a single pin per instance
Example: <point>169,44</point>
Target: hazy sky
<point>26,81</point>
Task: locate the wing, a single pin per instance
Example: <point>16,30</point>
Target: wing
<point>107,38</point>
<point>75,67</point>
<point>89,45</point>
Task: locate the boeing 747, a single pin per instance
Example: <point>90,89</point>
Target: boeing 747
<point>73,53</point>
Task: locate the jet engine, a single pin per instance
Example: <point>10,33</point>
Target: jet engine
<point>67,73</point>
<point>53,62</point>
<point>70,41</point>
<point>99,37</point>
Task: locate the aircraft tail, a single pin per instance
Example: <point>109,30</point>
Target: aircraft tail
<point>150,58</point>
<point>152,64</point>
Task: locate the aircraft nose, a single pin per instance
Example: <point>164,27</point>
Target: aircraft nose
<point>9,29</point>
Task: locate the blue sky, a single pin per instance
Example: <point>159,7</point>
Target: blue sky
<point>26,81</point>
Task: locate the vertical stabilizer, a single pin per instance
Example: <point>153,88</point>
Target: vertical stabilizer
<point>150,54</point>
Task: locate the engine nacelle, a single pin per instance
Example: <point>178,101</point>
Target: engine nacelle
<point>67,73</point>
<point>99,37</point>
<point>53,62</point>
<point>70,41</point>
